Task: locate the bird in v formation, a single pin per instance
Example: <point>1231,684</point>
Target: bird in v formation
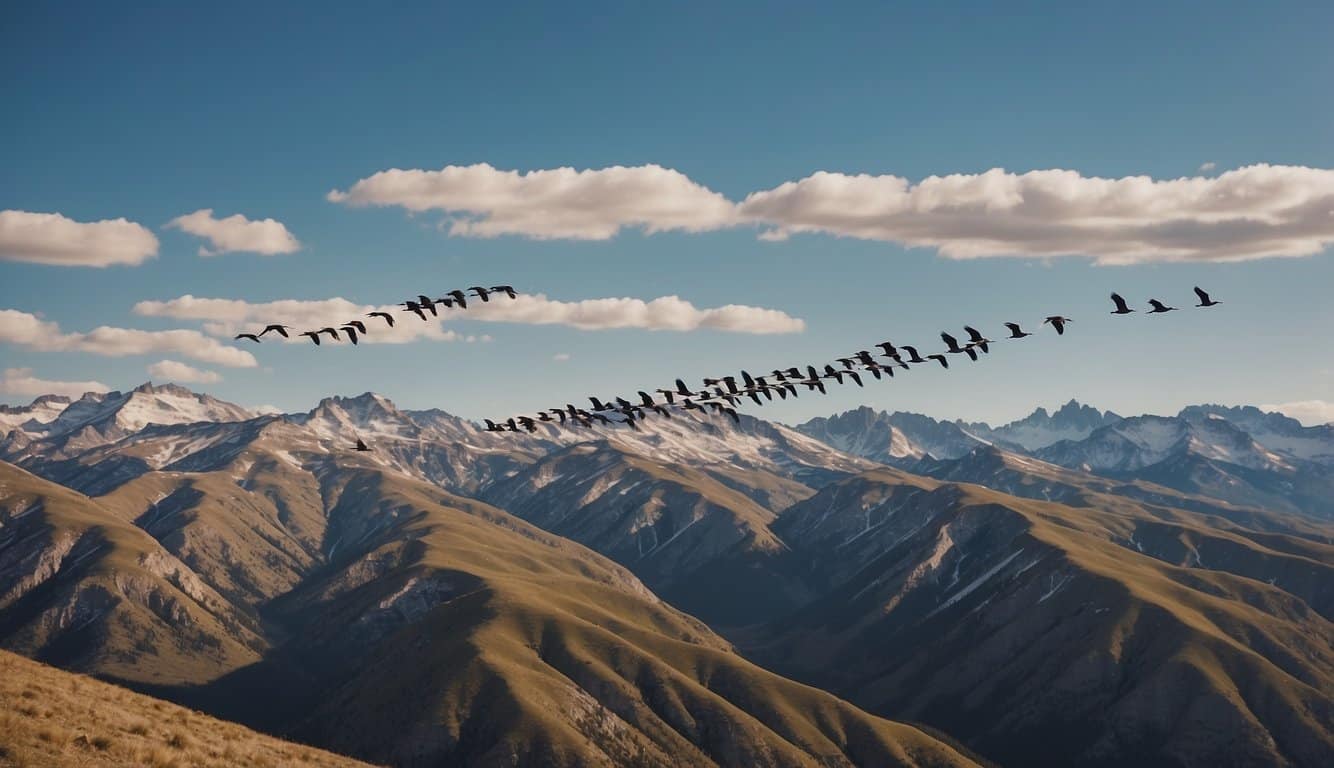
<point>721,395</point>
<point>354,330</point>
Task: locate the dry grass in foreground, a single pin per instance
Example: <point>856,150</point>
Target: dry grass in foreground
<point>49,717</point>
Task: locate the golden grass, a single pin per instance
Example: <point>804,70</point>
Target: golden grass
<point>49,717</point>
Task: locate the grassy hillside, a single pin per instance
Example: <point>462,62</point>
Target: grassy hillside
<point>1043,633</point>
<point>49,717</point>
<point>425,628</point>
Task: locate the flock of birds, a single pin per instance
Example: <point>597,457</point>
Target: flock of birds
<point>721,396</point>
<point>353,329</point>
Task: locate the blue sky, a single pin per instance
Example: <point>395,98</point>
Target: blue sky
<point>150,112</point>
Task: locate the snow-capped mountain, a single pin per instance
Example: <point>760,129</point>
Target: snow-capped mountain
<point>1141,441</point>
<point>1072,421</point>
<point>1275,431</point>
<point>898,438</point>
<point>33,416</point>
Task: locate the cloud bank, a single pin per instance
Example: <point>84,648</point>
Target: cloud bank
<point>172,370</point>
<point>1309,412</point>
<point>50,238</point>
<point>668,313</point>
<point>31,331</point>
<point>236,233</point>
<point>21,381</point>
<point>1255,212</point>
<point>593,204</point>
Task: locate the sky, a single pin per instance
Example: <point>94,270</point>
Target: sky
<point>676,190</point>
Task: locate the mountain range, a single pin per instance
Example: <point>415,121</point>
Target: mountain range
<point>865,589</point>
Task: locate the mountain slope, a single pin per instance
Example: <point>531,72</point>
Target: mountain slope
<point>49,717</point>
<point>1039,634</point>
<point>91,592</point>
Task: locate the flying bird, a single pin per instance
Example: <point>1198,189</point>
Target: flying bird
<point>281,330</point>
<point>1205,301</point>
<point>351,334</point>
<point>314,336</point>
<point>360,326</point>
<point>361,447</point>
<point>952,346</point>
<point>460,298</point>
<point>250,336</point>
<point>331,331</point>
<point>1016,332</point>
<point>977,339</point>
<point>1121,308</point>
<point>940,359</point>
<point>1058,323</point>
<point>1159,307</point>
<point>388,318</point>
<point>427,303</point>
<point>412,306</point>
<point>913,357</point>
<point>508,290</point>
<point>480,292</point>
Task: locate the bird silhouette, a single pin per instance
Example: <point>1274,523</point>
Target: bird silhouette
<point>250,336</point>
<point>360,326</point>
<point>361,447</point>
<point>388,318</point>
<point>1159,307</point>
<point>460,298</point>
<point>1016,332</point>
<point>314,336</point>
<point>1121,308</point>
<point>333,332</point>
<point>281,330</point>
<point>508,290</point>
<point>952,346</point>
<point>491,426</point>
<point>1205,301</point>
<point>351,334</point>
<point>414,307</point>
<point>480,292</point>
<point>939,358</point>
<point>889,349</point>
<point>1058,323</point>
<point>976,339</point>
<point>913,357</point>
<point>427,303</point>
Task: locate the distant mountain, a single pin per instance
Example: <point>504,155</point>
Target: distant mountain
<point>1275,431</point>
<point>1206,455</point>
<point>1040,429</point>
<point>31,417</point>
<point>898,438</point>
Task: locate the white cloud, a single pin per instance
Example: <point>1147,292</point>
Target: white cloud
<point>1249,213</point>
<point>1258,211</point>
<point>668,313</point>
<point>236,233</point>
<point>171,370</point>
<point>561,357</point>
<point>20,381</point>
<point>267,410</point>
<point>1308,412</point>
<point>1209,166</point>
<point>50,238</point>
<point>592,204</point>
<point>31,331</point>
